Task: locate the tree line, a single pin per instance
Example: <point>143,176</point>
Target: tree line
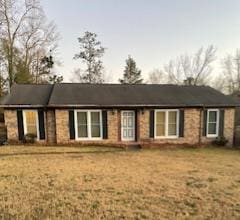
<point>195,69</point>
<point>28,45</point>
<point>28,42</point>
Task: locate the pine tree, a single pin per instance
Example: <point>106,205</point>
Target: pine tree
<point>132,75</point>
<point>45,71</point>
<point>90,54</point>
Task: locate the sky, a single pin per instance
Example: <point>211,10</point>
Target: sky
<point>151,31</point>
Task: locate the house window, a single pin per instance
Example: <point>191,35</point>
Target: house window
<point>30,124</point>
<point>166,123</point>
<point>212,122</point>
<point>88,124</point>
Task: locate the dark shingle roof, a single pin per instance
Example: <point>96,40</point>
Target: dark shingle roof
<point>76,94</point>
<point>28,95</point>
<point>110,95</point>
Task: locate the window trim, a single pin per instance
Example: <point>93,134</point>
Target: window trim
<point>217,123</point>
<point>25,122</point>
<point>88,125</point>
<point>166,124</point>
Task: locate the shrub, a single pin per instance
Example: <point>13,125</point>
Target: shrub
<point>30,138</point>
<point>220,141</point>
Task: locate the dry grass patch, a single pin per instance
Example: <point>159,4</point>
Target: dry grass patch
<point>151,184</point>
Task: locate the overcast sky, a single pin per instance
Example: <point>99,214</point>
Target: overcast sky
<point>151,31</point>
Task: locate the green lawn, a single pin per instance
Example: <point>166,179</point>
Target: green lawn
<point>109,183</point>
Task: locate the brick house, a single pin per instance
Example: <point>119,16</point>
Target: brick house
<point>118,114</point>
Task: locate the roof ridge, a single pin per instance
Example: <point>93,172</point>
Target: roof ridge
<point>109,84</point>
<point>119,84</point>
<point>32,84</point>
<point>50,94</point>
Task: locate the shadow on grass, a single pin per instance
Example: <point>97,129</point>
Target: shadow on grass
<point>60,153</point>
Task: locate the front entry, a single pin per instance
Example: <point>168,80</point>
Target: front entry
<point>128,125</point>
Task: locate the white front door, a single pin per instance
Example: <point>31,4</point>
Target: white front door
<point>128,125</point>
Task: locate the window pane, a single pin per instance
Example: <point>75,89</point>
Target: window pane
<point>124,133</point>
<point>31,129</point>
<point>212,116</point>
<point>82,131</point>
<point>172,123</point>
<point>212,128</point>
<point>172,117</point>
<point>130,133</point>
<point>160,130</point>
<point>130,122</point>
<point>172,129</point>
<point>160,117</point>
<point>160,120</point>
<point>82,124</point>
<point>95,117</point>
<point>82,118</point>
<point>124,122</point>
<point>95,124</point>
<point>95,131</point>
<point>130,114</point>
<point>31,122</point>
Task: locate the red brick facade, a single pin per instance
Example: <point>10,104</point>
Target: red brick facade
<point>57,127</point>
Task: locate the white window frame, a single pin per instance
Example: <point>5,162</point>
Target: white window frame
<point>89,131</point>
<point>25,122</point>
<point>217,123</point>
<point>166,124</point>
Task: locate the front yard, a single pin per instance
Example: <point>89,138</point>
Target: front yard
<point>95,183</point>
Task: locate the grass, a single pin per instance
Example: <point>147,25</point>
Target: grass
<point>102,183</point>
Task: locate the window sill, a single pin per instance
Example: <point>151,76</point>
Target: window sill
<point>167,137</point>
<point>88,139</point>
<point>211,136</point>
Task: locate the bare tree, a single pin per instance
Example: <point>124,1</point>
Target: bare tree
<point>77,76</point>
<point>218,83</point>
<point>25,35</point>
<point>231,72</point>
<point>157,77</point>
<point>191,69</point>
<point>3,81</point>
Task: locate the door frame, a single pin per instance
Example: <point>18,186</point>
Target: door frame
<point>134,125</point>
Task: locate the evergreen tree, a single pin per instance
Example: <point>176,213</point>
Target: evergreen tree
<point>90,53</point>
<point>55,79</point>
<point>132,75</point>
<point>45,73</point>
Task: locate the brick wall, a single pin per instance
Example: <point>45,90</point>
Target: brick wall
<point>62,127</point>
<point>51,126</point>
<point>143,118</point>
<point>60,132</point>
<point>10,117</point>
<point>191,128</point>
<point>229,116</point>
<point>229,125</point>
<point>113,128</point>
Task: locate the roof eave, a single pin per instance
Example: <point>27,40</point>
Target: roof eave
<point>23,106</point>
<point>122,106</point>
<point>138,105</point>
